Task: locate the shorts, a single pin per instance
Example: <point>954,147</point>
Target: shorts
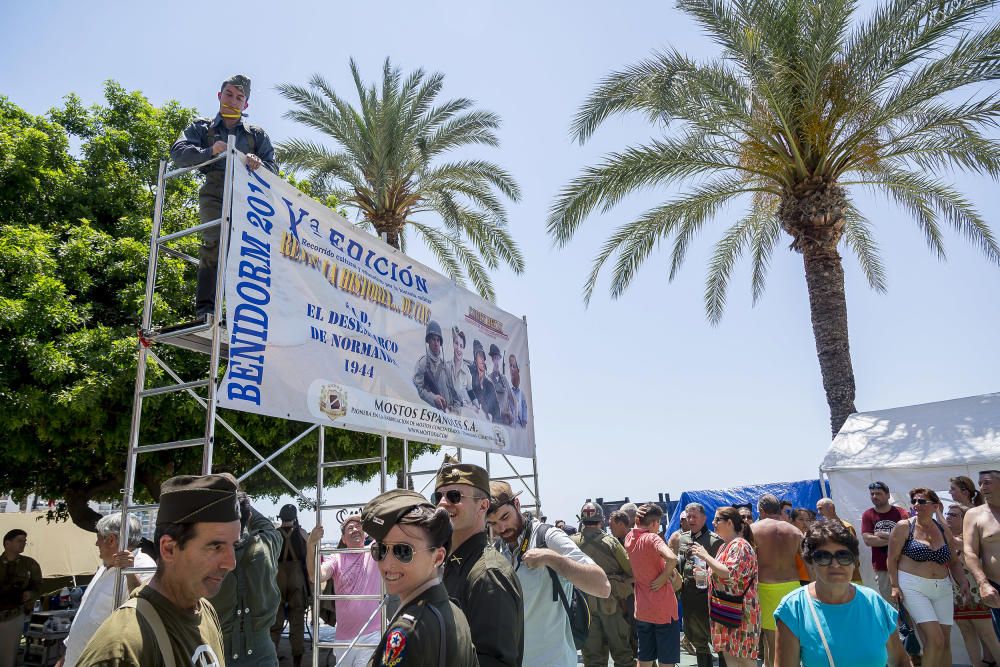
<point>659,641</point>
<point>770,596</point>
<point>927,600</point>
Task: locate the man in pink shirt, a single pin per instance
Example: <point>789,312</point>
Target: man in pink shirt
<point>353,574</point>
<point>656,621</point>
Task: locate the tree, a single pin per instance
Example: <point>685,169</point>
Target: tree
<point>74,246</point>
<point>386,167</point>
<point>800,110</point>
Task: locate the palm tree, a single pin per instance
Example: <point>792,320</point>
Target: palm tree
<point>387,165</point>
<point>801,109</point>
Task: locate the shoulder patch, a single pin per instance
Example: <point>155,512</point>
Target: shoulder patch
<point>395,646</point>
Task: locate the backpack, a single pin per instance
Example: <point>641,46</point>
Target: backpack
<point>577,610</point>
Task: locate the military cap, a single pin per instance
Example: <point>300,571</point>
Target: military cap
<point>501,494</point>
<point>385,510</point>
<point>239,81</point>
<point>494,350</point>
<point>477,348</point>
<point>454,471</point>
<point>198,499</point>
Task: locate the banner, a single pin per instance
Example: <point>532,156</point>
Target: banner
<point>328,324</point>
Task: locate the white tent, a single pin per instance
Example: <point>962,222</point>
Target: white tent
<point>916,445</point>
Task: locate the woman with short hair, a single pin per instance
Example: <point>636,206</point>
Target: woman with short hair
<point>922,554</point>
<point>832,621</point>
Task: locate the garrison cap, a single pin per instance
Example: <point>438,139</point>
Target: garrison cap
<point>454,471</point>
<point>288,512</point>
<point>198,499</point>
<point>501,494</point>
<point>383,511</point>
<point>239,81</point>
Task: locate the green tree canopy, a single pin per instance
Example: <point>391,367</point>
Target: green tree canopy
<point>74,247</point>
<point>388,165</point>
<point>804,107</point>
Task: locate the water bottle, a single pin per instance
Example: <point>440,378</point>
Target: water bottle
<point>700,572</point>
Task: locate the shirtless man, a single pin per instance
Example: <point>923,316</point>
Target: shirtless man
<point>778,543</point>
<point>981,539</point>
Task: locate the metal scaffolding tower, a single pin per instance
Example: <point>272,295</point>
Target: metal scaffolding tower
<point>208,338</point>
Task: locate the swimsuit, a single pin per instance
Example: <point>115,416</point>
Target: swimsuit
<point>770,596</point>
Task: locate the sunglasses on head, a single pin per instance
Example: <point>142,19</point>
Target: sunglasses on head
<point>454,496</point>
<point>878,486</point>
<point>401,551</point>
<point>824,558</point>
<point>921,501</point>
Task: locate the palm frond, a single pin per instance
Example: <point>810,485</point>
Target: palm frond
<point>858,237</point>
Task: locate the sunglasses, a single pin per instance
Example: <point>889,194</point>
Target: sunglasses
<point>454,496</point>
<point>824,558</point>
<point>401,551</point>
<point>920,501</point>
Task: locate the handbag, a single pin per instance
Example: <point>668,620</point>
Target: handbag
<point>727,608</point>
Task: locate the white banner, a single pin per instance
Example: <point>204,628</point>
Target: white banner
<point>328,324</point>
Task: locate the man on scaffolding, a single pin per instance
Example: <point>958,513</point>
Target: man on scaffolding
<point>202,140</point>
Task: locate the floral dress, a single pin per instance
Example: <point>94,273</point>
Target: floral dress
<point>741,559</point>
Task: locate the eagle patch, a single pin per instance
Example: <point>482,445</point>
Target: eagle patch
<point>395,644</point>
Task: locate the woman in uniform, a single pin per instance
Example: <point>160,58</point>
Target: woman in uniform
<point>411,540</point>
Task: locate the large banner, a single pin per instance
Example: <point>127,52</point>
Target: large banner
<point>328,324</point>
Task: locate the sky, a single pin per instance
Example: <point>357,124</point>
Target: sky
<point>632,397</point>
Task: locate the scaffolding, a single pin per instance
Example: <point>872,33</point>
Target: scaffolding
<point>208,338</point>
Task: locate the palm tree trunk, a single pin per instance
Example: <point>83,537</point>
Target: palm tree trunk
<point>828,309</point>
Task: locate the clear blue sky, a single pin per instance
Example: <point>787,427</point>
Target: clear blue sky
<point>632,397</point>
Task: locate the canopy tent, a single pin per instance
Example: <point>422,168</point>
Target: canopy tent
<point>804,493</point>
<point>62,549</point>
<point>917,445</point>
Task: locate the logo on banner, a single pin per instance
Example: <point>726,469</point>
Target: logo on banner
<point>333,400</point>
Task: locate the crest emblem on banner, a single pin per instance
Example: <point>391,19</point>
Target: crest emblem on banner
<point>333,400</point>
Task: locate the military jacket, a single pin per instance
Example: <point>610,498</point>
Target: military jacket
<point>249,597</point>
<point>483,584</point>
<point>705,538</point>
<point>125,641</point>
<point>17,576</point>
<point>429,631</point>
<point>432,379</point>
<point>611,557</point>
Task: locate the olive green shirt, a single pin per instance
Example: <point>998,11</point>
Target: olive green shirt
<point>123,639</point>
<point>483,584</point>
<point>417,638</point>
<point>611,557</point>
<point>17,577</point>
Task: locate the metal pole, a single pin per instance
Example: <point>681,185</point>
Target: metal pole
<point>534,470</point>
<point>317,560</point>
<point>220,281</point>
<point>406,464</point>
<point>140,375</point>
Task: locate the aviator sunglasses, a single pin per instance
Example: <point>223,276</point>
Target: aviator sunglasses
<point>824,558</point>
<point>401,551</point>
<point>920,501</point>
<point>454,496</point>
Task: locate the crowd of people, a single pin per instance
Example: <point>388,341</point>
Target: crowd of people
<point>474,580</point>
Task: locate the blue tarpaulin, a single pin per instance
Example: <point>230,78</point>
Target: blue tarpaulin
<point>801,494</point>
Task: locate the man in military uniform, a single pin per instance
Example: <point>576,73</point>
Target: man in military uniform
<point>20,582</point>
<point>480,581</point>
<point>501,386</point>
<point>694,601</point>
<point>411,543</point>
<point>431,377</point>
<point>292,577</point>
<point>202,140</point>
<point>169,622</point>
<point>609,631</point>
<point>249,597</point>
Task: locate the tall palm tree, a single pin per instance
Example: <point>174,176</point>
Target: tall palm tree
<point>387,164</point>
<point>803,108</point>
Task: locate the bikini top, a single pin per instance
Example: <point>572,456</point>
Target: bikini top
<point>921,553</point>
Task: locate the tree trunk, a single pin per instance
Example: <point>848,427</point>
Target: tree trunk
<point>828,309</point>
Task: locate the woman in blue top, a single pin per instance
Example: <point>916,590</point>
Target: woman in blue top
<point>831,621</point>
